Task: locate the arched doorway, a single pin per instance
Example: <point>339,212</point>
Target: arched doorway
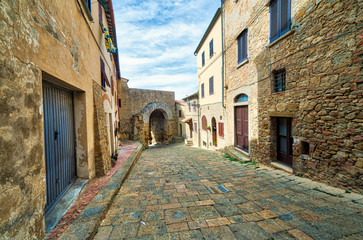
<point>214,132</point>
<point>241,121</point>
<point>158,127</point>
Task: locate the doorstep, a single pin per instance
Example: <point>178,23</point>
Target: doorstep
<point>84,217</point>
<point>282,167</point>
<point>64,203</point>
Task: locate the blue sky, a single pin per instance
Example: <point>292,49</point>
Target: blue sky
<point>157,39</point>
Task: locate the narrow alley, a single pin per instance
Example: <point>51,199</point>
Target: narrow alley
<point>178,192</point>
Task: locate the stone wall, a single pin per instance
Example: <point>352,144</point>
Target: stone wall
<point>136,107</point>
<point>102,147</point>
<point>322,57</point>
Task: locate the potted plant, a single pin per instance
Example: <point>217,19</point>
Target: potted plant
<point>208,128</point>
<point>113,160</point>
<point>215,144</point>
<point>116,153</point>
<point>120,141</point>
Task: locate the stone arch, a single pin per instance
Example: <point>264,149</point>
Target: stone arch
<point>151,107</point>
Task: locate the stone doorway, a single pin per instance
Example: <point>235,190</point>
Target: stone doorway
<point>158,127</point>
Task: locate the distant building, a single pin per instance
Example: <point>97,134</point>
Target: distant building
<point>210,85</point>
<point>191,120</point>
<point>180,106</point>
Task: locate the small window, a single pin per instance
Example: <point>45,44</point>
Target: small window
<point>195,127</point>
<point>211,48</point>
<point>280,11</point>
<point>189,106</point>
<point>242,46</point>
<point>88,2</point>
<point>241,98</point>
<point>104,79</point>
<point>100,13</point>
<point>194,106</point>
<point>202,90</point>
<point>204,123</point>
<point>305,148</point>
<point>211,86</point>
<point>280,81</point>
<point>119,102</point>
<point>203,59</point>
<point>180,113</point>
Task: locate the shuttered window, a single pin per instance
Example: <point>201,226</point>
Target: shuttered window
<point>204,123</point>
<point>203,59</point>
<point>202,90</point>
<point>88,2</point>
<point>99,13</point>
<point>280,11</point>
<point>194,106</point>
<point>211,48</point>
<point>221,129</point>
<point>242,46</point>
<point>211,86</point>
<point>195,127</point>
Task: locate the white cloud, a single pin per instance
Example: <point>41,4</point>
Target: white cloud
<point>157,39</point>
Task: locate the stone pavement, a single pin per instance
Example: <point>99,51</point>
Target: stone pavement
<point>178,192</point>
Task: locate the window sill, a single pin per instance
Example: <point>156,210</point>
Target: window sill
<point>242,63</point>
<point>292,31</point>
<point>86,9</point>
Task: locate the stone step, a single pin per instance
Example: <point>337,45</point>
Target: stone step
<point>235,153</point>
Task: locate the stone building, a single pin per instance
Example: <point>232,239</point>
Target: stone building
<point>211,86</point>
<point>57,105</point>
<point>191,120</point>
<point>298,65</point>
<point>180,113</point>
<point>147,115</point>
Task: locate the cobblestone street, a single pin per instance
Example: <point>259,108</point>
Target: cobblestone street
<point>179,192</point>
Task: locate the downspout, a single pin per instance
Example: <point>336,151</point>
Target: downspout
<point>198,106</point>
<point>222,29</point>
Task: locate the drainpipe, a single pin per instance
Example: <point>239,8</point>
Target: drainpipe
<point>198,112</point>
<point>222,29</point>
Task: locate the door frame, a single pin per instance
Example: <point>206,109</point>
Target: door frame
<point>234,124</point>
<point>289,141</point>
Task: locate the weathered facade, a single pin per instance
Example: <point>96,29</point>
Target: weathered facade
<point>52,106</point>
<point>303,80</point>
<point>180,113</point>
<point>147,115</point>
<point>191,120</point>
<point>210,85</point>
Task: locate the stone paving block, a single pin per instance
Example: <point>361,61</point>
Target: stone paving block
<point>266,214</point>
<point>170,206</point>
<point>273,225</point>
<point>218,222</point>
<point>177,215</point>
<point>236,219</point>
<point>191,235</point>
<point>204,203</point>
<point>227,210</point>
<point>197,224</point>
<point>203,212</point>
<point>249,207</point>
<point>177,227</point>
<point>153,215</point>
<point>220,233</point>
<point>152,228</point>
<point>248,230</point>
<point>298,234</point>
<point>124,230</point>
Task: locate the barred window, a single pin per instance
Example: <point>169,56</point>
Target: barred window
<point>280,80</point>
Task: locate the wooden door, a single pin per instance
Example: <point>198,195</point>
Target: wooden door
<point>284,141</point>
<point>241,126</point>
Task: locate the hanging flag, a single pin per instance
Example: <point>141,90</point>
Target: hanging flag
<point>108,41</point>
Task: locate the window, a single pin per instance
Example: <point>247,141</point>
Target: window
<point>211,48</point>
<point>203,59</point>
<point>241,98</point>
<point>305,148</point>
<point>189,106</point>
<point>204,123</point>
<point>279,18</point>
<point>242,46</point>
<point>104,79</point>
<point>119,102</point>
<point>202,90</point>
<point>100,13</point>
<point>280,81</point>
<point>195,127</point>
<point>221,129</point>
<point>211,87</point>
<point>194,106</point>
<point>180,114</point>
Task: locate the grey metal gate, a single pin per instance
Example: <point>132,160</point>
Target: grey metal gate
<point>59,140</point>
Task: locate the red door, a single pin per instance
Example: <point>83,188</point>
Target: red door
<point>241,121</point>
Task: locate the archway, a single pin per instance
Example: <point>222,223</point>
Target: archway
<point>214,132</point>
<point>158,127</point>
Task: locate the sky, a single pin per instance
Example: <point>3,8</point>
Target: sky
<point>156,41</point>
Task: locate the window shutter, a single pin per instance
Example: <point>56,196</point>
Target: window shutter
<point>203,59</point>
<point>239,46</point>
<point>211,88</point>
<point>202,89</point>
<point>285,25</point>
<point>99,13</point>
<point>273,20</point>
<point>211,48</point>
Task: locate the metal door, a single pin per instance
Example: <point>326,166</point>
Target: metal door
<point>241,122</point>
<point>59,141</point>
<point>284,141</point>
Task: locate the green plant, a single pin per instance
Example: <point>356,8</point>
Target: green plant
<point>214,143</point>
<point>113,158</point>
<point>116,151</point>
<point>120,138</point>
<point>208,127</point>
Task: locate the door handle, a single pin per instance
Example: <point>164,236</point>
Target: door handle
<point>56,135</point>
